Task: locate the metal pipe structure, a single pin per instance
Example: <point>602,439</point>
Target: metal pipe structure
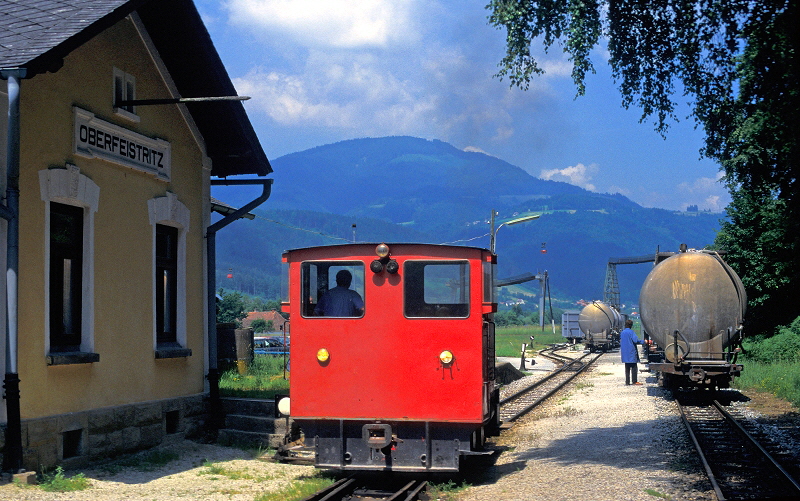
<point>211,256</point>
<point>12,457</point>
<point>493,230</point>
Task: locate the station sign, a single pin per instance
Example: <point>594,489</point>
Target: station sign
<point>96,138</point>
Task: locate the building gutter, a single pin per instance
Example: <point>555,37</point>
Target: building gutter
<point>12,456</point>
<point>211,256</point>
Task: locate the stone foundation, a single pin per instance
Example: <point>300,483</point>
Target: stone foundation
<point>75,439</point>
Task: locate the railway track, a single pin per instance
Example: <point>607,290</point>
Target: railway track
<point>352,489</point>
<point>523,401</point>
<point>738,466</point>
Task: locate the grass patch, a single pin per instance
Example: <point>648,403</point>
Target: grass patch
<point>782,379</point>
<point>301,488</point>
<point>220,470</point>
<point>56,481</point>
<point>447,491</point>
<point>582,386</point>
<point>262,379</point>
<point>657,494</point>
<point>509,340</point>
<point>565,411</point>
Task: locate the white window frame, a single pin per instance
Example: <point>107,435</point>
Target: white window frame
<point>69,186</point>
<point>127,92</point>
<point>169,211</point>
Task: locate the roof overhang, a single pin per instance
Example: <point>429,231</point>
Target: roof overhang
<point>183,44</point>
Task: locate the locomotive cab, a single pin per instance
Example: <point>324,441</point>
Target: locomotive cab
<point>392,354</point>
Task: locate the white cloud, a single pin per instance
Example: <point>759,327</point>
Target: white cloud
<point>705,192</point>
<point>331,23</point>
<point>557,68</point>
<point>579,175</point>
<point>354,94</point>
<point>619,189</point>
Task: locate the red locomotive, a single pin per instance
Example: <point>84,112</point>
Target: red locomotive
<point>392,359</point>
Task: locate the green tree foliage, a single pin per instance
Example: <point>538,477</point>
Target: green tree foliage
<point>231,308</point>
<point>736,60</point>
<point>259,325</point>
<point>763,253</point>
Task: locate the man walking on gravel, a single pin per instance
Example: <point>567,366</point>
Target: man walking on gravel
<point>629,353</point>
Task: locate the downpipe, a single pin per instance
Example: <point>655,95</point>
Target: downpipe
<point>215,405</point>
<point>12,456</point>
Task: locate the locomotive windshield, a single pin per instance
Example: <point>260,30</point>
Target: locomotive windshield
<point>436,288</point>
<point>333,288</point>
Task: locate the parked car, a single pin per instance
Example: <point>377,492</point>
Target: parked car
<point>270,345</point>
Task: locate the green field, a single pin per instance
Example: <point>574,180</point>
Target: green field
<point>508,340</point>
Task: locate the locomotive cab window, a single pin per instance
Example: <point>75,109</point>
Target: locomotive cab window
<point>436,289</point>
<point>333,289</point>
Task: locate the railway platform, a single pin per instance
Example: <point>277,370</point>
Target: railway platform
<point>600,440</point>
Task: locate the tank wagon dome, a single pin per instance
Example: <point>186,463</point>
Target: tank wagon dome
<point>598,317</point>
<point>697,294</point>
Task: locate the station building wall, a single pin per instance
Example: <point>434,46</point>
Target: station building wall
<point>121,389</point>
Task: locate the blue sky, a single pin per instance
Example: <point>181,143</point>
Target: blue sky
<point>322,71</point>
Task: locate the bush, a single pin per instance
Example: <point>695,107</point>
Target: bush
<point>783,346</point>
<point>260,325</point>
<point>58,482</point>
<point>782,379</point>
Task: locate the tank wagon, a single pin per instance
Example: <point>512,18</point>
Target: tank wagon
<point>692,307</point>
<point>601,325</point>
<point>403,380</point>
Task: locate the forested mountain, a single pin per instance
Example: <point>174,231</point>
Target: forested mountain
<point>409,189</point>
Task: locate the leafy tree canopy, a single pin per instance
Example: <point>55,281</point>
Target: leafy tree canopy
<point>736,61</point>
<point>231,307</point>
<point>260,325</point>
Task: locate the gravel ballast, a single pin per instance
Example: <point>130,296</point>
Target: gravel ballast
<point>597,440</point>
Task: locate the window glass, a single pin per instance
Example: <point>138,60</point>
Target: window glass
<point>166,283</point>
<point>489,290</point>
<point>332,288</point>
<point>124,90</point>
<point>66,276</point>
<point>436,288</point>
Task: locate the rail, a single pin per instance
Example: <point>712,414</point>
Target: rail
<point>737,465</point>
<point>354,489</point>
<point>523,401</point>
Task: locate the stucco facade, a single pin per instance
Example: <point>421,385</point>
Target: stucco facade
<point>124,384</point>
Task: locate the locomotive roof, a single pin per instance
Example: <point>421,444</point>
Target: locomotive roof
<point>390,244</point>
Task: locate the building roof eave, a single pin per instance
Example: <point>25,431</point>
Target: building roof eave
<point>174,25</point>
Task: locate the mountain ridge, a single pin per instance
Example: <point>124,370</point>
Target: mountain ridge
<point>402,188</point>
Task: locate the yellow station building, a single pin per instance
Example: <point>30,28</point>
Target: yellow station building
<point>107,330</point>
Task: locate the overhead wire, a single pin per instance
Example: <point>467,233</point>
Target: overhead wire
<point>320,233</point>
<point>315,232</point>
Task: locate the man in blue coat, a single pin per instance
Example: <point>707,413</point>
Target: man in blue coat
<point>628,352</point>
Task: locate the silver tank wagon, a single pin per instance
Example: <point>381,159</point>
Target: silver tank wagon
<point>692,305</point>
<point>600,324</point>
